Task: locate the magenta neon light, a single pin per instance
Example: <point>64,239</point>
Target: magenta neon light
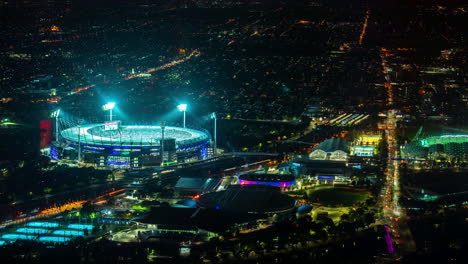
<point>388,240</point>
<point>277,184</point>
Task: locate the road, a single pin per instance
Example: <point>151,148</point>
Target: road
<point>394,216</point>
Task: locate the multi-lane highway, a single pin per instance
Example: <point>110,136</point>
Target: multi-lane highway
<point>394,216</point>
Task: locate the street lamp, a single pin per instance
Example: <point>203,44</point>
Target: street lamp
<point>182,108</point>
<point>109,106</point>
<point>213,116</point>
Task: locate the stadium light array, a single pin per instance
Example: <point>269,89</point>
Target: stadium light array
<point>56,114</point>
<point>213,116</point>
<point>109,106</point>
<point>182,108</point>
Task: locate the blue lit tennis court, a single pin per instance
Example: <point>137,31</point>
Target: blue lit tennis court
<point>54,239</point>
<point>18,236</point>
<point>43,224</point>
<point>80,227</point>
<point>68,233</point>
<point>27,230</point>
<point>47,231</point>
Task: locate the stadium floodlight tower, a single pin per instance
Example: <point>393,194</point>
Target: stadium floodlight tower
<point>56,114</point>
<point>163,126</point>
<point>213,116</point>
<point>182,108</point>
<point>109,106</point>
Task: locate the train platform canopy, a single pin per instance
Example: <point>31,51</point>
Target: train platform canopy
<point>198,185</point>
<point>315,167</point>
<point>168,216</point>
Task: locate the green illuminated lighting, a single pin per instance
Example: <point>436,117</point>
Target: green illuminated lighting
<point>444,140</point>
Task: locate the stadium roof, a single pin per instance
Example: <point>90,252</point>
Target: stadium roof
<point>248,199</point>
<point>132,135</point>
<point>445,139</point>
<point>333,144</point>
<point>192,218</point>
<point>175,216</point>
<point>220,220</point>
<point>197,184</point>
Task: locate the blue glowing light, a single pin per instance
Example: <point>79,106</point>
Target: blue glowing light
<point>18,236</point>
<point>80,227</point>
<point>43,224</point>
<point>204,151</point>
<point>68,233</point>
<point>32,230</point>
<point>54,239</point>
<point>54,154</point>
<point>326,177</point>
<point>118,163</point>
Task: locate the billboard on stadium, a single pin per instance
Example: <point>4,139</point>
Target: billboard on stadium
<point>114,125</point>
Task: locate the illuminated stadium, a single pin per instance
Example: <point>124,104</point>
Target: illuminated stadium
<point>451,147</point>
<point>114,145</point>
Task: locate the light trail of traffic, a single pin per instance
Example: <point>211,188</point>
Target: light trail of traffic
<point>387,85</point>
<point>391,191</point>
<point>364,27</point>
<point>56,99</point>
<point>46,212</point>
<point>165,66</point>
<point>62,208</point>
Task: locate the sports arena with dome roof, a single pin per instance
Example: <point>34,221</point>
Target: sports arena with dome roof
<point>331,149</point>
<point>452,147</point>
<point>252,199</point>
<point>130,146</point>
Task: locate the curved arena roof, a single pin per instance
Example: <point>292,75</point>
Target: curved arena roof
<point>333,144</point>
<point>449,145</point>
<point>444,140</point>
<point>132,135</point>
<point>248,199</point>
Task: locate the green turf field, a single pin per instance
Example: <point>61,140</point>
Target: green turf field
<point>337,196</point>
